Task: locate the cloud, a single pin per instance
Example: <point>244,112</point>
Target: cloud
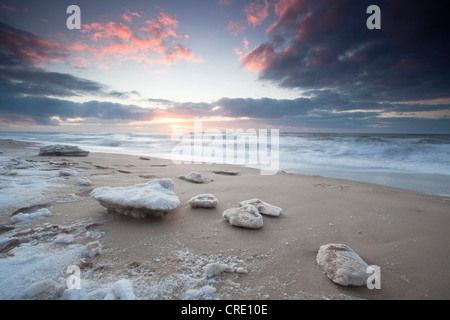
<point>19,46</point>
<point>129,16</point>
<point>38,82</point>
<point>234,28</point>
<point>31,95</point>
<point>225,2</point>
<point>256,13</point>
<point>22,55</point>
<point>49,111</point>
<point>109,30</point>
<point>157,41</point>
<point>8,8</point>
<point>325,44</point>
<point>316,110</point>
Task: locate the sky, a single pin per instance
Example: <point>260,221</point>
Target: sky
<point>292,65</point>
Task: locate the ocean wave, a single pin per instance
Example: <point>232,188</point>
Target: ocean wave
<point>317,153</point>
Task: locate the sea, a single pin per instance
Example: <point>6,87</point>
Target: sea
<point>419,162</point>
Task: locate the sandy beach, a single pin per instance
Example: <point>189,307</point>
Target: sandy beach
<point>403,232</point>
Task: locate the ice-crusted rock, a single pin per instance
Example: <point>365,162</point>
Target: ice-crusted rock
<point>204,200</point>
<point>63,150</point>
<point>155,198</point>
<point>246,216</point>
<point>84,182</point>
<point>226,172</point>
<point>67,173</point>
<point>342,265</point>
<point>194,177</point>
<point>263,207</point>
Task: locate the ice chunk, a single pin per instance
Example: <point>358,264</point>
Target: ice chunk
<point>263,207</point>
<point>62,150</point>
<point>84,182</point>
<point>204,200</point>
<point>194,177</point>
<point>342,265</point>
<point>214,269</point>
<point>152,198</point>
<point>67,173</point>
<point>226,172</point>
<point>246,216</point>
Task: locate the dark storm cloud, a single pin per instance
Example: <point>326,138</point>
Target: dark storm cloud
<point>21,57</point>
<point>19,47</point>
<point>264,108</point>
<point>25,87</point>
<point>326,44</point>
<point>39,82</point>
<point>42,110</point>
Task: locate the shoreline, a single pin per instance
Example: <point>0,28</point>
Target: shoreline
<point>404,232</point>
<point>402,175</point>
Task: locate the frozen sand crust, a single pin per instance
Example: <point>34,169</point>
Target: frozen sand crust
<point>154,198</point>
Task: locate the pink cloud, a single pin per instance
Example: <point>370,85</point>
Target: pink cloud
<point>256,13</point>
<point>259,59</point>
<point>9,8</point>
<point>240,52</point>
<point>225,2</point>
<point>168,21</point>
<point>127,18</point>
<point>29,48</point>
<point>235,27</point>
<point>180,52</point>
<point>286,11</point>
<point>78,46</point>
<point>134,14</point>
<point>107,31</point>
<point>246,43</point>
<point>79,62</point>
<point>155,42</point>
